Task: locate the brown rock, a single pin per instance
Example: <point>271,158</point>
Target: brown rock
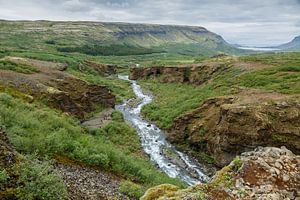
<point>193,74</point>
<point>227,126</point>
<point>59,90</point>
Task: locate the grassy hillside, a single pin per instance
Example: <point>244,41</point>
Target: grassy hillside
<point>174,99</point>
<point>96,38</point>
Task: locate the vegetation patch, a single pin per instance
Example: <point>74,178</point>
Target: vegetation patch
<point>115,49</point>
<point>284,79</point>
<point>20,68</point>
<point>35,129</point>
<point>31,179</point>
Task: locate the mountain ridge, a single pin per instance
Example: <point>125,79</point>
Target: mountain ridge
<point>192,40</point>
<point>292,45</point>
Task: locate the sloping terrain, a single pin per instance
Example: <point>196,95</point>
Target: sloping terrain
<point>226,106</point>
<point>96,38</point>
<point>59,89</point>
<point>265,173</point>
<point>293,45</point>
<point>227,126</point>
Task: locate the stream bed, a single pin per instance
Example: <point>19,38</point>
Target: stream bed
<point>171,161</point>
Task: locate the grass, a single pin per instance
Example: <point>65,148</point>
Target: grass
<point>20,68</point>
<point>35,129</point>
<point>280,79</point>
<point>122,89</point>
<point>173,99</point>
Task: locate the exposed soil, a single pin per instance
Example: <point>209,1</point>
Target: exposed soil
<point>57,89</point>
<point>99,120</point>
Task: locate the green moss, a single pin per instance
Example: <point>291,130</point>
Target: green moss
<point>238,164</point>
<point>205,157</point>
<point>224,178</point>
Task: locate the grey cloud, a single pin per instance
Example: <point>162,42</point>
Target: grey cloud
<point>255,22</point>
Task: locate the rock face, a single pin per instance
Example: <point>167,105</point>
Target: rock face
<point>102,69</point>
<point>227,126</point>
<point>57,89</point>
<point>196,74</point>
<point>265,173</point>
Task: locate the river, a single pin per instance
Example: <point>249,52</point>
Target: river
<point>171,161</point>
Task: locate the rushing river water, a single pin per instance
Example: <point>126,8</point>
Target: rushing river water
<point>161,152</point>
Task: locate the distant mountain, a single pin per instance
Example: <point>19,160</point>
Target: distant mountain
<point>294,45</point>
<point>98,38</point>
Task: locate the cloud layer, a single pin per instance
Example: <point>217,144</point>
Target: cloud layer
<point>255,22</point>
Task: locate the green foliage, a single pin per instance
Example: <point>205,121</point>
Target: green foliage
<point>37,129</point>
<point>285,79</point>
<point>21,68</point>
<point>3,176</point>
<point>122,89</point>
<point>114,49</point>
<point>37,180</point>
<point>173,99</point>
<point>238,164</point>
<point>117,116</point>
<point>131,189</point>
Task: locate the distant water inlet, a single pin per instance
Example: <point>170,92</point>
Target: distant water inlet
<point>161,152</point>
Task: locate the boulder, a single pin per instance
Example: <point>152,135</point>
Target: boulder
<point>253,175</point>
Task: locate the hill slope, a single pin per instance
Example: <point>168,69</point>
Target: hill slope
<point>292,45</point>
<point>84,37</point>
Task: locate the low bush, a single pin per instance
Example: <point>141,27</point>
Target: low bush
<point>37,180</point>
<point>131,189</point>
<point>36,129</point>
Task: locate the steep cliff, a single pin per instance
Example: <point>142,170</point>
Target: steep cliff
<point>224,127</point>
<point>192,74</point>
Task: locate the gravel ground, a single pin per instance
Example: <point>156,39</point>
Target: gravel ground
<point>89,184</point>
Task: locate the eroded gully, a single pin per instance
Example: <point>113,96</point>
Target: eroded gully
<point>171,161</point>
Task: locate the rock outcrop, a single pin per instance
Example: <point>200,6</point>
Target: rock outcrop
<point>265,173</point>
<point>194,74</point>
<point>227,126</point>
<point>58,89</point>
<point>101,69</point>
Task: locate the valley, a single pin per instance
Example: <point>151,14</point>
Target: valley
<point>92,110</point>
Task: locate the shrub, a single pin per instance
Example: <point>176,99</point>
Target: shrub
<point>36,129</point>
<point>37,180</point>
<point>131,189</point>
<point>3,176</point>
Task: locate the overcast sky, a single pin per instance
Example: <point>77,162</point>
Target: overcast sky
<point>246,22</point>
